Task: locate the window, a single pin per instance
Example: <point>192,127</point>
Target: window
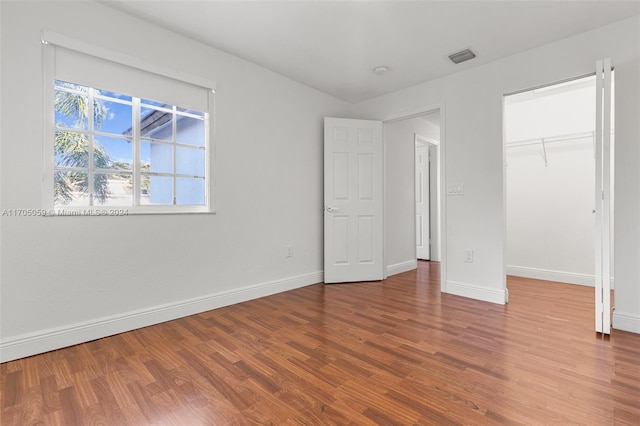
<point>123,138</point>
<point>101,135</point>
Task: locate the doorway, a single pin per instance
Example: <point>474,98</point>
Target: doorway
<point>550,183</point>
<point>427,195</point>
<point>414,187</point>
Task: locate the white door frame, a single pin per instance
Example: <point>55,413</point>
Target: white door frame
<point>442,175</point>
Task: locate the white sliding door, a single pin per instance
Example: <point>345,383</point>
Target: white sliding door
<point>603,190</point>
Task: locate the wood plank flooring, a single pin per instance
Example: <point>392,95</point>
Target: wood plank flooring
<point>395,352</point>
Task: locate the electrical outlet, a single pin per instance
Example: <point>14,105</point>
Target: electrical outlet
<point>288,251</point>
<point>468,256</point>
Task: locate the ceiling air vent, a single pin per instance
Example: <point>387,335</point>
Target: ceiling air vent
<point>463,55</point>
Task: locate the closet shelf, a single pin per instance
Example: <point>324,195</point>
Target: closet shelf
<point>552,139</point>
<point>543,142</point>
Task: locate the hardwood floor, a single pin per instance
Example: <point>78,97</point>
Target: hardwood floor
<point>395,352</point>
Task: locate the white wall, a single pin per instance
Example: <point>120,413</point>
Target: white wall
<point>71,279</point>
<point>550,224</point>
<point>432,131</point>
<point>472,124</point>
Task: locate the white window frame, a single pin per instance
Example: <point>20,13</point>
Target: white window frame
<point>55,39</point>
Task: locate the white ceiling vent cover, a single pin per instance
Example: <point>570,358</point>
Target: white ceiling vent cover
<point>463,55</point>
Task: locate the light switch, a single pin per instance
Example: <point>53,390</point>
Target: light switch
<point>455,189</point>
<point>468,256</point>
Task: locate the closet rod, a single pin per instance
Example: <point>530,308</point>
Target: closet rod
<point>560,138</point>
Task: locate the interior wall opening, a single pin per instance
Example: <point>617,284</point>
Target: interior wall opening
<point>413,156</point>
<point>549,151</point>
<point>427,184</point>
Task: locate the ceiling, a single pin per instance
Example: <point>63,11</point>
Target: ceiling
<point>333,46</point>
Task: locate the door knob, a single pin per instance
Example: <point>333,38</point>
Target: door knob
<point>332,209</point>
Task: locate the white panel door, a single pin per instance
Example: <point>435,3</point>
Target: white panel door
<point>423,224</point>
<point>603,196</point>
<point>353,204</point>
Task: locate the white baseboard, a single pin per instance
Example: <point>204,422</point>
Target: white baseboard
<point>55,338</point>
<point>626,321</point>
<point>399,268</point>
<point>550,275</point>
<point>475,291</point>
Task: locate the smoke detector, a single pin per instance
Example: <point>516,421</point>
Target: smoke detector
<point>461,56</point>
